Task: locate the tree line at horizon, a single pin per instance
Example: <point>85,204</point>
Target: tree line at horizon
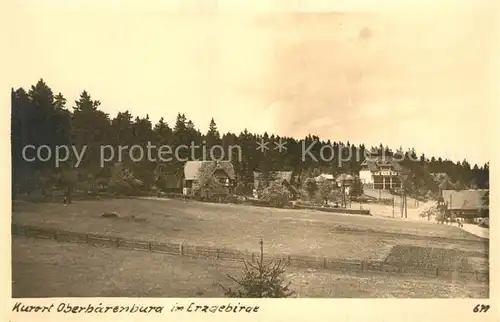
<point>41,117</point>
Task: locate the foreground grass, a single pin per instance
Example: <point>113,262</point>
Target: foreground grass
<point>46,268</point>
<point>240,227</point>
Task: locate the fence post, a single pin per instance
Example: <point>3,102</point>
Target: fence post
<point>324,262</point>
<point>86,238</point>
<point>437,271</point>
<point>150,247</point>
<point>217,255</point>
<point>117,242</point>
<point>362,268</point>
<point>181,249</point>
<point>289,259</point>
<point>253,257</point>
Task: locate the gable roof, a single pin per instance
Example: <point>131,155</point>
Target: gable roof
<point>192,168</point>
<point>370,165</point>
<point>344,177</point>
<point>465,199</point>
<point>397,166</point>
<point>374,164</point>
<point>324,176</point>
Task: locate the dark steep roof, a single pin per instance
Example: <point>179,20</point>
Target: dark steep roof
<point>192,168</point>
<point>374,164</point>
<point>465,199</point>
<point>273,176</point>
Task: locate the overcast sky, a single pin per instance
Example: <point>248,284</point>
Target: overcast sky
<point>421,75</point>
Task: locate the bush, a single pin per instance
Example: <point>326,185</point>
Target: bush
<point>310,186</point>
<point>361,199</point>
<point>431,212</point>
<point>123,182</point>
<point>242,189</point>
<point>207,184</point>
<point>483,222</point>
<point>260,280</point>
<point>235,199</point>
<point>337,196</point>
<point>276,195</point>
<point>440,216</point>
<point>357,188</point>
<point>325,189</point>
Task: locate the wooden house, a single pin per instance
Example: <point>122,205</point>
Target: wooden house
<point>466,204</point>
<point>222,171</point>
<point>381,171</point>
<point>284,178</point>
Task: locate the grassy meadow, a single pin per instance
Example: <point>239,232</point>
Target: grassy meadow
<point>239,227</point>
<point>46,268</point>
<point>49,268</point>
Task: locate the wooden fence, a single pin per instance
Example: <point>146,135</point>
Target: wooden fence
<point>349,211</point>
<point>233,255</point>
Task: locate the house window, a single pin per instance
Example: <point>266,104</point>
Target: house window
<point>223,181</point>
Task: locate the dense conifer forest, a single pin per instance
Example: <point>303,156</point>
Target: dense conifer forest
<point>42,117</point>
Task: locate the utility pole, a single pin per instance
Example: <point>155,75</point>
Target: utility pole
<point>402,203</point>
<point>393,206</point>
<point>261,251</point>
<point>344,203</point>
<point>406,206</point>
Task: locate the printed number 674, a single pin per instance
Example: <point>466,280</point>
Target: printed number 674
<point>481,308</point>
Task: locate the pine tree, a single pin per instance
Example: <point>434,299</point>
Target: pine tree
<point>212,138</point>
<point>261,280</point>
<point>90,128</point>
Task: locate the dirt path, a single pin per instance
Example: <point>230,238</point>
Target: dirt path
<point>477,230</point>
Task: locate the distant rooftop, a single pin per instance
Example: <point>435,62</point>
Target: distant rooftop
<point>192,168</point>
<point>465,199</point>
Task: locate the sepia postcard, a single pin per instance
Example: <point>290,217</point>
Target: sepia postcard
<point>251,160</point>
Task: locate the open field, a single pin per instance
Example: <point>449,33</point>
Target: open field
<point>385,211</point>
<point>285,231</point>
<point>46,268</point>
<point>375,193</point>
